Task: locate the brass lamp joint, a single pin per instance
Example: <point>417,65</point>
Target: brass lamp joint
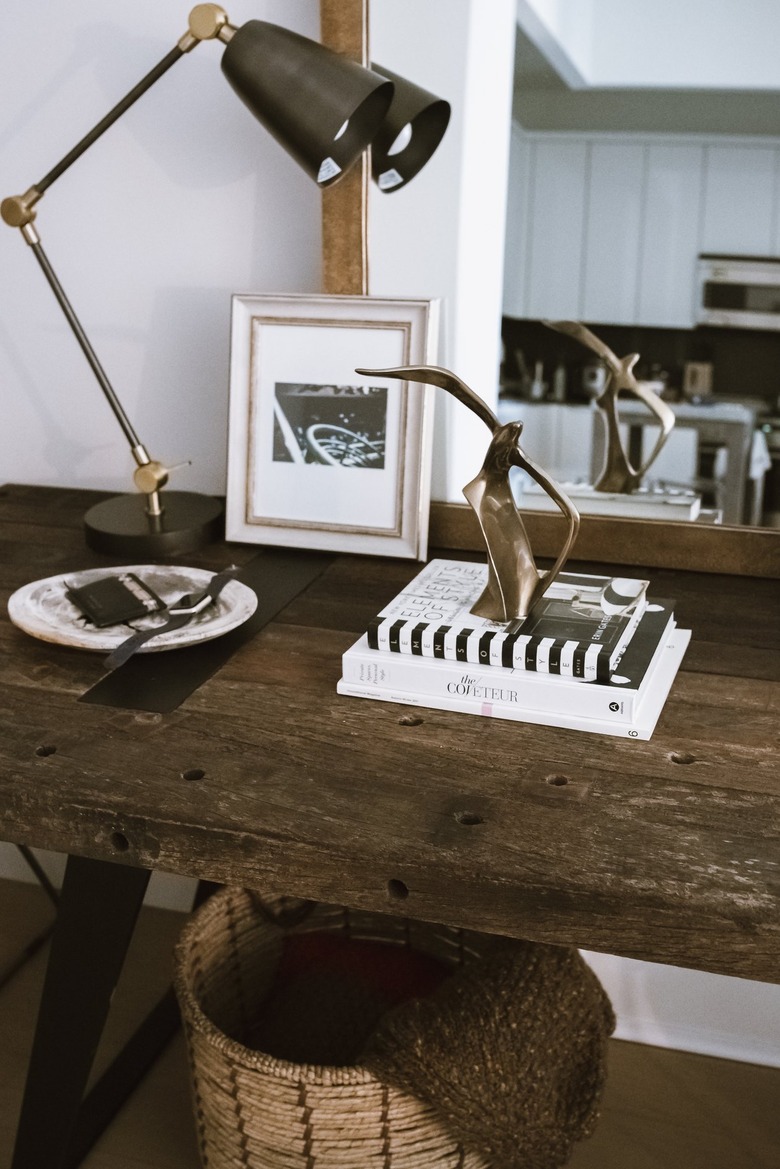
<point>150,477</point>
<point>17,210</point>
<point>207,22</point>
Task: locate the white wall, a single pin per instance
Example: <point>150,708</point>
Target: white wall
<point>563,32</point>
<point>725,44</point>
<point>689,1010</point>
<point>728,44</point>
<point>183,202</point>
<point>443,235</point>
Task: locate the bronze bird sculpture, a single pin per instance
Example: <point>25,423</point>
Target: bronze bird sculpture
<point>515,584</point>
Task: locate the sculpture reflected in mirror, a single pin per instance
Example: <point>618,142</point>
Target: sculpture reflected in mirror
<point>618,473</point>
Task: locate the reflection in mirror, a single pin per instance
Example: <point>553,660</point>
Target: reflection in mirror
<point>619,474</point>
<point>618,184</point>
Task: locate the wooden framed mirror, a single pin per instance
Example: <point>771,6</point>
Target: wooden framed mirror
<point>744,551</point>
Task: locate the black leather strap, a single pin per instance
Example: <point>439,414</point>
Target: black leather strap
<point>180,613</point>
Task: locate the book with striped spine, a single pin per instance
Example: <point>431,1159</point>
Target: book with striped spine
<point>617,700</point>
<point>578,629</point>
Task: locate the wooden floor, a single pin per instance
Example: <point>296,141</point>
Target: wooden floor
<point>662,1109</point>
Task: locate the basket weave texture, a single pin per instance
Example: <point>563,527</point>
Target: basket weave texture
<point>255,1111</point>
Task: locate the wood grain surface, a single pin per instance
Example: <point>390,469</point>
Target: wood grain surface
<point>344,28</point>
<point>666,850</point>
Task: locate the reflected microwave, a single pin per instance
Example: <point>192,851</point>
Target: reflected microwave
<point>738,292</point>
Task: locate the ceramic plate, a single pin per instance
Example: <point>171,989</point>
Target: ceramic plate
<point>43,610</point>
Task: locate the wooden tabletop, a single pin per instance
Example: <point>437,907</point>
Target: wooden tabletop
<point>666,850</point>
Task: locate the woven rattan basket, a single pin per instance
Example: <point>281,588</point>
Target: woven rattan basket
<point>258,1112</point>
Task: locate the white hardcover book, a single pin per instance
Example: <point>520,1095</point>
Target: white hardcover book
<point>641,727</point>
<point>618,700</point>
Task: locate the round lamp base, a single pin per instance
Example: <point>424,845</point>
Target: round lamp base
<point>121,527</point>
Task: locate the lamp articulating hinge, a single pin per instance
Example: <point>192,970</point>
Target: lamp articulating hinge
<point>149,476</point>
<point>207,22</point>
<point>17,210</point>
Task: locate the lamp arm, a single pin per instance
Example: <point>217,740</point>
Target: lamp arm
<point>150,475</point>
<point>206,22</point>
<point>84,343</point>
<point>112,116</point>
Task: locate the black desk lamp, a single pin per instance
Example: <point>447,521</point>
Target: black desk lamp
<point>325,110</point>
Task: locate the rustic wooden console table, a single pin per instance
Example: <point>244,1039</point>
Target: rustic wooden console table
<point>667,850</point>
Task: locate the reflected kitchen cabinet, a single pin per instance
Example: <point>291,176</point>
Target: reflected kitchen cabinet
<point>672,193</point>
<point>545,227</point>
<point>611,247</point>
<point>740,202</point>
<point>557,436</point>
<point>607,228</point>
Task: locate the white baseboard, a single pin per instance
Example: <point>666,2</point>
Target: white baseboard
<point>689,1010</point>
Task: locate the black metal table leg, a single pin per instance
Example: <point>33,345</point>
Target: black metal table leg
<point>99,905</point>
<point>130,1065</point>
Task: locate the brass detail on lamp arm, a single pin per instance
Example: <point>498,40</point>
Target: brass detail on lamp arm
<point>207,22</point>
<point>17,210</point>
<point>150,476</point>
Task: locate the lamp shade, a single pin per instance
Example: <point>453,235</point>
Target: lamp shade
<point>323,108</point>
<point>410,133</point>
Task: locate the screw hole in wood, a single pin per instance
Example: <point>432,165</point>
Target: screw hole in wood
<point>120,841</point>
<point>410,720</point>
<point>193,773</point>
<point>397,890</point>
<point>557,780</point>
<point>682,757</point>
<point>468,818</point>
<point>44,750</point>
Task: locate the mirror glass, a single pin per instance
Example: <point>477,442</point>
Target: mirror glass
<point>644,137</point>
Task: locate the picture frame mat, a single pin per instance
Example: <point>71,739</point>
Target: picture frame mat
<point>288,348</point>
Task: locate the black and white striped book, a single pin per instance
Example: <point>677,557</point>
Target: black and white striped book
<point>617,700</point>
<point>579,629</point>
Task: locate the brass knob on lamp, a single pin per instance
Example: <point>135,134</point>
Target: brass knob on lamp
<point>206,22</point>
<point>17,210</point>
<point>150,477</point>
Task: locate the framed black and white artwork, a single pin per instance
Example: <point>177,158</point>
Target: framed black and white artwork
<point>320,456</point>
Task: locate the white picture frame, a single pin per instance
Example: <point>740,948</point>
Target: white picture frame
<point>320,456</point>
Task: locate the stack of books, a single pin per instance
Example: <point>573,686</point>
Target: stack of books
<point>596,653</point>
